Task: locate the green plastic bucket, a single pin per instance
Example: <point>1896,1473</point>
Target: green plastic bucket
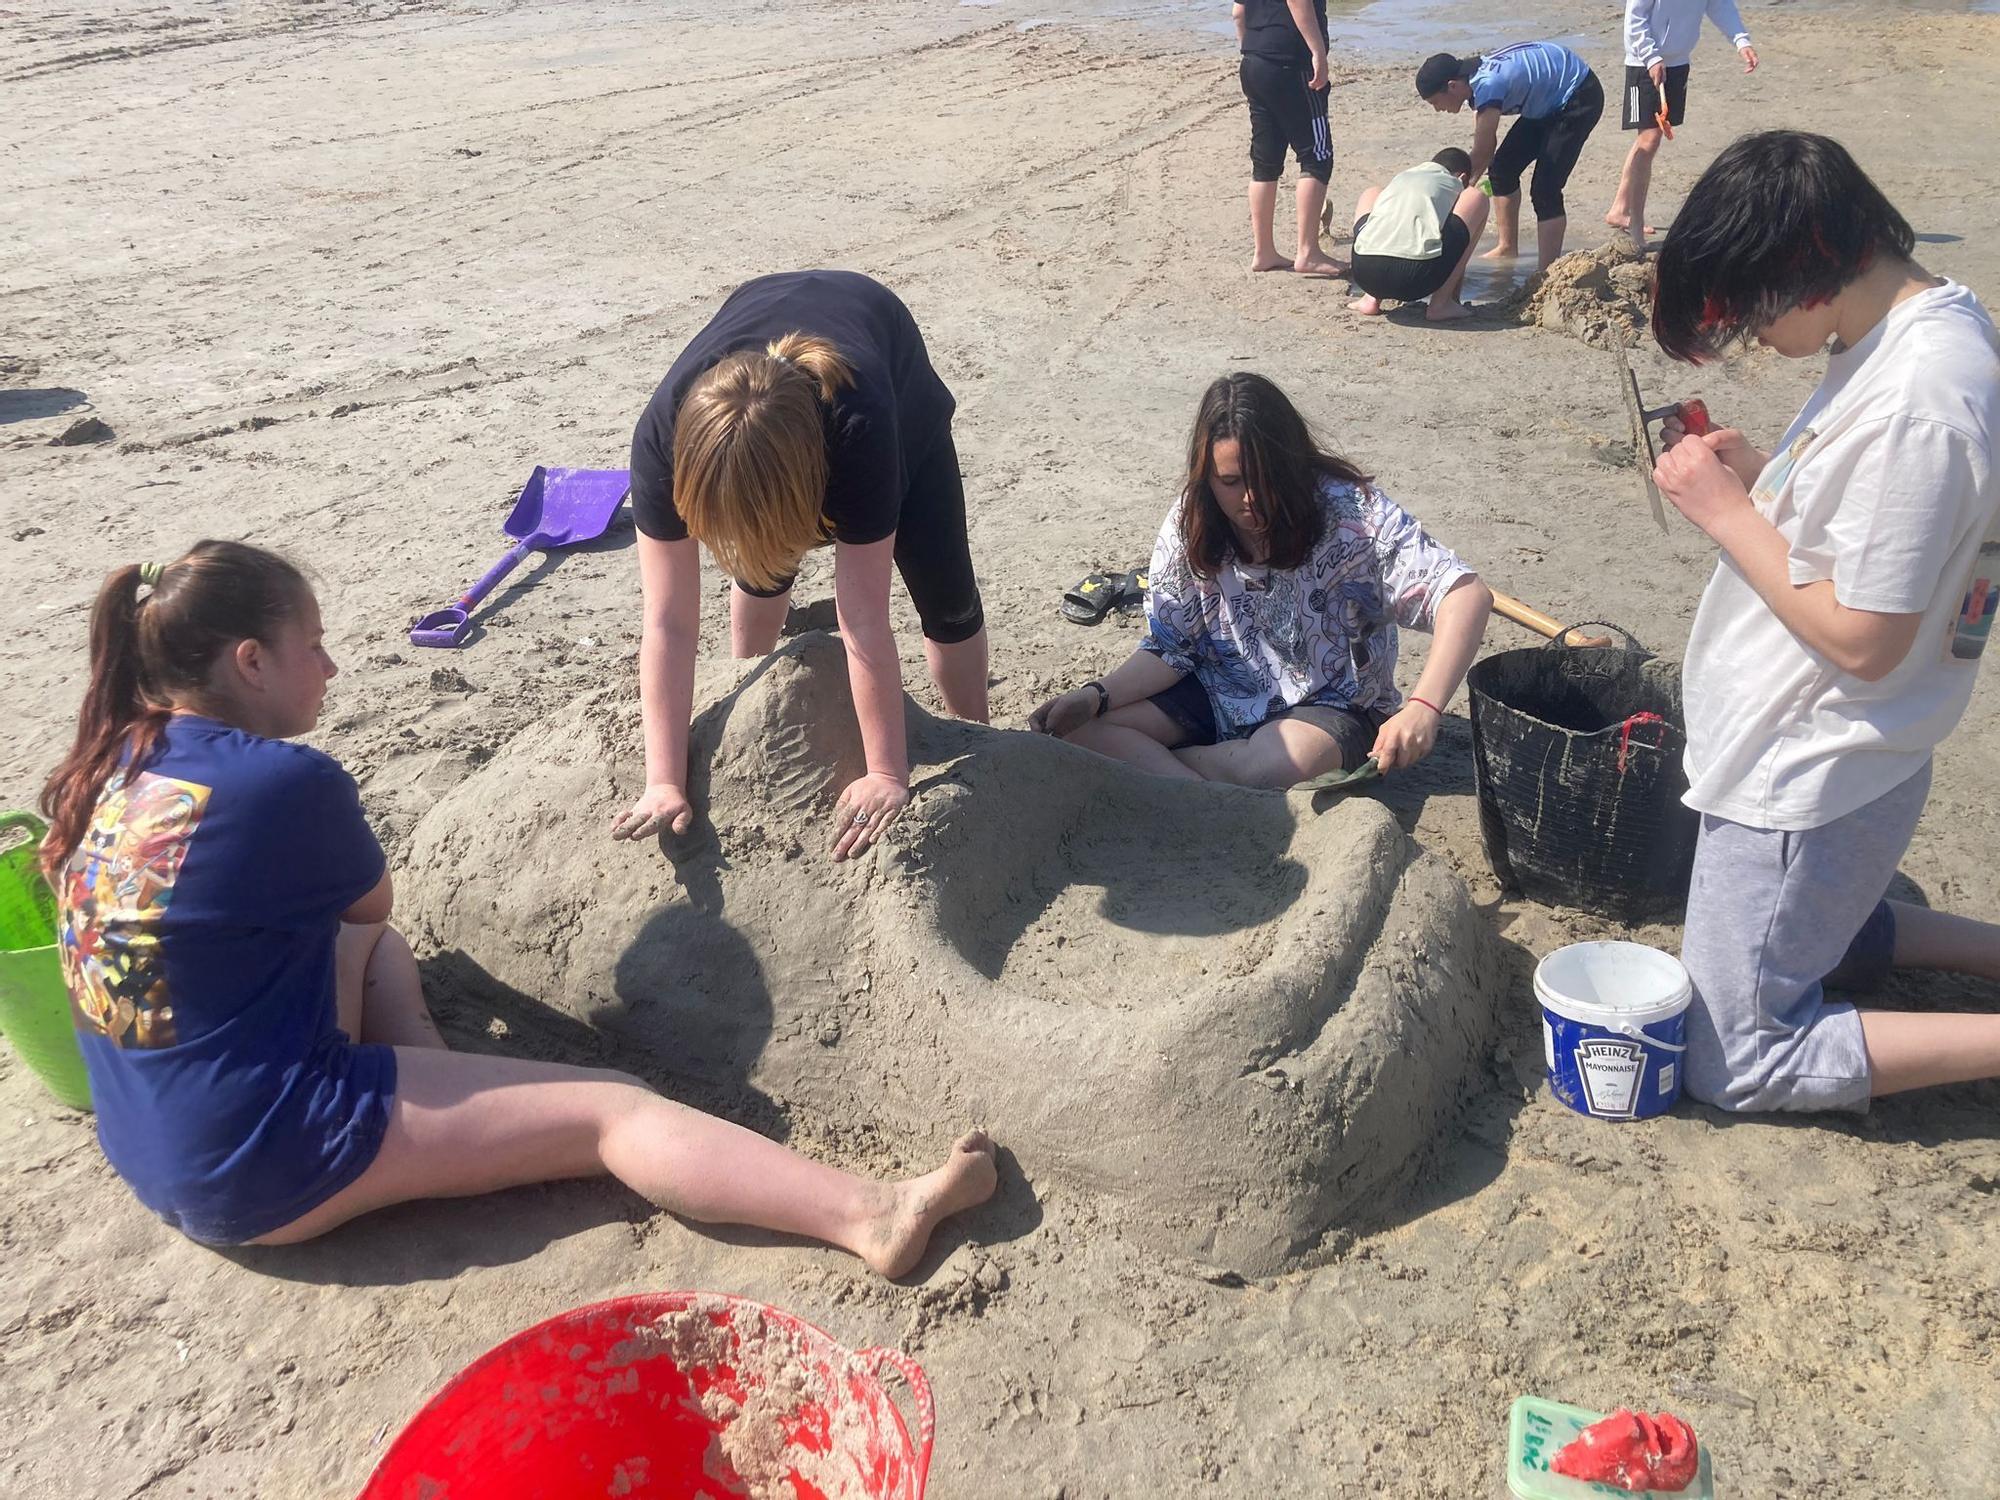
<point>34,1001</point>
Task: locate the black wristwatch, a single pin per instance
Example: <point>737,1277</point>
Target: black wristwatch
<point>1103,698</point>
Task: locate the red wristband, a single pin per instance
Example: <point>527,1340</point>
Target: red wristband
<point>1427,704</point>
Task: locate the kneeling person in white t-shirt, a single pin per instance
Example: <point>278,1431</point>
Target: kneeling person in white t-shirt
<point>1838,641</point>
<point>1413,239</point>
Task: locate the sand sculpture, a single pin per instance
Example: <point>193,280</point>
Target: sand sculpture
<point>1240,1048</point>
<point>1602,296</point>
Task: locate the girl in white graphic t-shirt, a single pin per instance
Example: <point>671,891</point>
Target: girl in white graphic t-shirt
<point>1838,641</point>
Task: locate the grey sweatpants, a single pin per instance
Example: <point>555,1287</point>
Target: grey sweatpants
<point>1770,915</point>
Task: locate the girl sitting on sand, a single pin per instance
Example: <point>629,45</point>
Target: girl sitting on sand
<point>1276,589</point>
<point>262,1062</point>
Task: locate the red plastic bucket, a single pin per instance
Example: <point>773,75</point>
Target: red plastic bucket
<point>666,1394</point>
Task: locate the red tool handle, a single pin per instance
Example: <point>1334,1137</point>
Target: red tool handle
<point>1694,417</point>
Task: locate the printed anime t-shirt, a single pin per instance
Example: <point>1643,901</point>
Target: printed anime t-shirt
<point>1264,640</point>
<point>198,920</point>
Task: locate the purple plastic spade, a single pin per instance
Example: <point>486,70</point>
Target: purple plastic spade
<point>557,508</point>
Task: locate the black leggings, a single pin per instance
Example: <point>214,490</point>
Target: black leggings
<point>931,551</point>
<point>1285,112</point>
<point>1553,144</point>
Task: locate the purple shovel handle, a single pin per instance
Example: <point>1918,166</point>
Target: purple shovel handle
<point>448,626</point>
<point>506,565</point>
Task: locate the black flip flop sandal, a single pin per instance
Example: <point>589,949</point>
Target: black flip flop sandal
<point>1090,601</point>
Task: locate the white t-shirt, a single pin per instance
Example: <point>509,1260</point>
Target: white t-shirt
<point>1886,485</point>
<point>1407,220</point>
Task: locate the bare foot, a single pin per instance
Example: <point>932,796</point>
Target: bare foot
<point>1450,312</point>
<point>1618,219</point>
<point>1319,264</point>
<point>1368,307</point>
<point>1274,262</point>
<point>1501,252</point>
<point>894,1239</point>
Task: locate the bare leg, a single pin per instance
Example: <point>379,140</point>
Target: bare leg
<point>1366,304</point>
<point>1280,754</point>
<point>1549,241</point>
<point>465,1124</point>
<point>959,670</point>
<point>1312,260</point>
<point>386,1001</point>
<point>1927,939</point>
<point>1264,204</point>
<point>1628,209</point>
<point>1911,1051</point>
<point>1138,734</point>
<point>1472,206</point>
<point>754,623</point>
<point>1507,226</point>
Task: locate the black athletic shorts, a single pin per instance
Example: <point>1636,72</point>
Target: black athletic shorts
<point>1552,144</point>
<point>931,551</point>
<point>1642,100</point>
<point>1285,112</point>
<point>1186,703</point>
<point>1397,278</point>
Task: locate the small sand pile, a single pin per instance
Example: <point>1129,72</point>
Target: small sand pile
<point>1603,297</point>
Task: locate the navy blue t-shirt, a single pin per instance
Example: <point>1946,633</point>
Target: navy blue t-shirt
<point>880,429</point>
<point>199,916</point>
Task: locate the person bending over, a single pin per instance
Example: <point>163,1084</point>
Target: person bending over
<point>1660,36</point>
<point>805,413</point>
<point>1413,239</point>
<point>1559,101</point>
<point>262,1062</point>
<point>1284,77</point>
<point>1838,640</point>
<point>1277,586</point>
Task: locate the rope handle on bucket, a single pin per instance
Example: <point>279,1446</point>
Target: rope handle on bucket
<point>1625,735</point>
<point>920,1392</point>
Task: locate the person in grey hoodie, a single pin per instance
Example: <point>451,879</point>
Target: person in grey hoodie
<point>1659,42</point>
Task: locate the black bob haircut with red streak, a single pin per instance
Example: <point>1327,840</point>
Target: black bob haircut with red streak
<point>1780,219</point>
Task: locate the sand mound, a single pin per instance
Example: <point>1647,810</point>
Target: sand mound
<point>1235,1019</point>
<point>1603,296</point>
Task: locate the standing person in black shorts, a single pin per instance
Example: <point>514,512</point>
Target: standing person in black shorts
<point>1413,239</point>
<point>1559,101</point>
<point>805,414</point>
<point>1660,36</point>
<point>1284,77</point>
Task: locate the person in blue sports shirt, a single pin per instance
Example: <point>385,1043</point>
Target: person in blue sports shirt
<point>1558,101</point>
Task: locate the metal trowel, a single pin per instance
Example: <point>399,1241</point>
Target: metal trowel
<point>1693,415</point>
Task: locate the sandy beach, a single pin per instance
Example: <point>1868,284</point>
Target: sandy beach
<point>337,274</point>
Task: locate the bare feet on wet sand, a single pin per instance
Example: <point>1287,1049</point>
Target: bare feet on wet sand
<point>1270,263</point>
<point>1501,252</point>
<point>1319,264</point>
<point>894,1237</point>
<point>1368,307</point>
<point>1450,312</point>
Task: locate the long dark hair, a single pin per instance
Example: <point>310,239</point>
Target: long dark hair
<point>1283,465</point>
<point>1781,219</point>
<point>145,649</point>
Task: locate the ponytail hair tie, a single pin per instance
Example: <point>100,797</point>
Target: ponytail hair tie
<point>149,574</point>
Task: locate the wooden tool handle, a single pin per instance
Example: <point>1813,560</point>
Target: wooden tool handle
<point>1541,624</point>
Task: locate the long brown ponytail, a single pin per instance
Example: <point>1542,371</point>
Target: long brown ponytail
<point>144,650</point>
<point>750,455</point>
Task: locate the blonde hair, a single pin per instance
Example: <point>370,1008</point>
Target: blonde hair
<point>750,456</point>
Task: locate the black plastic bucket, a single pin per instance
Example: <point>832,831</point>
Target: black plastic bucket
<point>1577,753</point>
